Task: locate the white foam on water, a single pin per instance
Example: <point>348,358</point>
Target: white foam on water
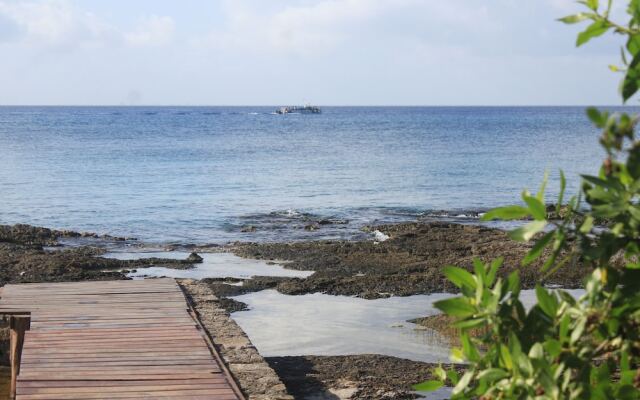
<point>379,236</point>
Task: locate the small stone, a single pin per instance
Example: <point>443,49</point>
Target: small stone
<point>194,258</point>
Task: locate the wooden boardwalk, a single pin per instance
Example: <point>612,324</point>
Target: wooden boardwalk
<point>114,340</point>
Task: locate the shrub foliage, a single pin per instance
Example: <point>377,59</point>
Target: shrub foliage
<point>564,347</point>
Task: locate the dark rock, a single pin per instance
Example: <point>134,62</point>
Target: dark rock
<point>367,376</point>
<point>194,258</point>
<point>410,262</point>
<point>22,258</point>
<point>231,305</point>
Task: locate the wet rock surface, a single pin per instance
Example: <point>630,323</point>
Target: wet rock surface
<point>367,376</point>
<point>24,259</point>
<point>39,236</point>
<point>194,258</point>
<point>229,287</point>
<point>28,235</point>
<point>443,324</point>
<point>408,263</point>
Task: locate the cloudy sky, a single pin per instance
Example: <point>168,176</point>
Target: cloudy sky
<point>329,52</point>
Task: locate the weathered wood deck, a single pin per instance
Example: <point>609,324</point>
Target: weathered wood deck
<point>113,340</point>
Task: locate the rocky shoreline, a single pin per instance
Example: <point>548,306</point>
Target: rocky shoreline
<point>25,257</point>
<point>409,262</point>
<point>365,376</point>
<point>406,260</point>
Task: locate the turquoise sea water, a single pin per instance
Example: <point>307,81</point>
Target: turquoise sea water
<point>216,174</point>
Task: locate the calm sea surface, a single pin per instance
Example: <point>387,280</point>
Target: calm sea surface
<point>216,174</point>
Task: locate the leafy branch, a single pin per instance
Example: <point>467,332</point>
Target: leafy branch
<point>563,347</point>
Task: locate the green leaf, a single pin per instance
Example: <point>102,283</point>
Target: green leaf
<point>596,117</point>
<point>578,330</point>
<point>627,392</point>
<point>480,271</point>
<point>457,307</point>
<point>468,348</point>
<point>536,351</point>
<point>537,209</point>
<point>493,374</point>
<point>459,277</point>
<point>608,210</point>
<point>553,347</point>
<point>537,249</point>
<point>543,187</point>
<point>513,283</point>
<point>563,186</point>
<point>563,331</point>
<point>547,303</point>
<point>463,383</point>
<point>587,225</point>
<point>469,323</point>
<point>527,231</point>
<point>631,78</point>
<point>505,357</point>
<point>633,162</point>
<point>625,364</point>
<point>633,44</point>
<point>635,212</point>
<point>440,373</point>
<point>506,213</point>
<point>608,184</point>
<point>456,355</point>
<point>428,386</point>
<point>592,4</point>
<point>598,28</point>
<point>493,270</point>
<point>630,85</point>
<point>575,18</point>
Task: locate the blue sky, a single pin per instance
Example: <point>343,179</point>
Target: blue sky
<point>329,52</point>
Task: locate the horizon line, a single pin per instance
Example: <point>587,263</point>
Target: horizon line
<point>322,105</point>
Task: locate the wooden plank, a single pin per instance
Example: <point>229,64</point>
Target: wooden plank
<point>120,389</point>
<point>114,340</point>
<point>106,383</point>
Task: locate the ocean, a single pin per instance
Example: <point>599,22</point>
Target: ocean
<point>220,174</point>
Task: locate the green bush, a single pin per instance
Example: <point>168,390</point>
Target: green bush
<point>564,348</point>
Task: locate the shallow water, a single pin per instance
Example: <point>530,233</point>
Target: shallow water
<point>214,265</point>
<point>320,324</point>
<point>440,394</point>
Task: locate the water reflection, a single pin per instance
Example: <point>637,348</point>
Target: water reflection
<point>320,324</point>
<point>214,265</point>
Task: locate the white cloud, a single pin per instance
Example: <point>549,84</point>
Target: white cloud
<point>55,23</point>
<point>323,24</point>
<point>319,26</point>
<point>152,31</point>
<point>310,28</point>
<point>563,5</point>
<point>277,51</point>
<point>60,24</point>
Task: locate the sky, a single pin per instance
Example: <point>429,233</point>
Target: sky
<point>278,52</point>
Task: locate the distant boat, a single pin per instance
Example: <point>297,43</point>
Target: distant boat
<point>299,110</point>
